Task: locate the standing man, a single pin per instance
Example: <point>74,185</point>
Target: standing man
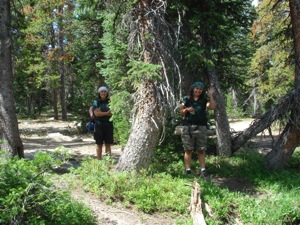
<point>194,134</point>
<point>103,127</point>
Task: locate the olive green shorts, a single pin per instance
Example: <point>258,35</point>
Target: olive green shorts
<point>198,141</point>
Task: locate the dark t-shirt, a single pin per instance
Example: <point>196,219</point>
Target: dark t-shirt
<point>199,118</point>
<point>103,105</point>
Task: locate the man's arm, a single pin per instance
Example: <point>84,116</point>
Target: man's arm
<point>184,110</point>
<point>211,104</point>
<point>99,113</point>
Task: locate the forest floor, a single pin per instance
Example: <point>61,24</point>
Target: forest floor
<point>47,135</point>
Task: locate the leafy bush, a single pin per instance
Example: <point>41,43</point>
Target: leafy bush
<point>28,197</point>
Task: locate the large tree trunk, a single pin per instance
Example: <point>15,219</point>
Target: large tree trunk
<point>290,137</point>
<point>222,124</point>
<point>146,131</point>
<point>10,140</point>
<point>284,147</point>
<point>148,122</point>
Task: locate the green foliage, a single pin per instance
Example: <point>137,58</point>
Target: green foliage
<point>28,197</point>
<point>239,165</point>
<point>121,106</point>
<point>140,71</point>
<point>233,111</point>
<point>272,67</point>
<point>269,198</point>
<point>274,190</point>
<point>114,66</point>
<point>154,195</point>
<point>150,193</point>
<point>219,37</point>
<point>51,160</point>
<point>38,56</point>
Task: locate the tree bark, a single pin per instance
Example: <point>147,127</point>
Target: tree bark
<point>55,103</point>
<point>62,70</point>
<point>284,148</point>
<point>295,19</point>
<point>146,131</point>
<point>10,140</point>
<point>148,122</point>
<point>256,127</point>
<point>234,99</point>
<point>221,119</point>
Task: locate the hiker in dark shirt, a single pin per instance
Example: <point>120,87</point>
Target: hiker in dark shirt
<point>103,126</point>
<point>194,134</point>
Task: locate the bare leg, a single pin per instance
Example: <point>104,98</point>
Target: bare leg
<point>108,150</point>
<point>99,151</point>
<point>187,159</point>
<point>201,158</point>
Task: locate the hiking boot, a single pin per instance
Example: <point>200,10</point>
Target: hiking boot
<point>188,172</point>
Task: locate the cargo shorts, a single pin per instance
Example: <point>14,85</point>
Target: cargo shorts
<point>198,141</point>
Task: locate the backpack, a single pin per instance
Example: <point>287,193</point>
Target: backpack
<point>90,126</point>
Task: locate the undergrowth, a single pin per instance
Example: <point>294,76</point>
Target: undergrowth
<point>165,188</point>
<point>28,197</point>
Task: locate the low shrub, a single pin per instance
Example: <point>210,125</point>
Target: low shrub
<point>28,197</point>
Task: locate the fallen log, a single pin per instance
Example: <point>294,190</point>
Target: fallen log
<point>196,205</point>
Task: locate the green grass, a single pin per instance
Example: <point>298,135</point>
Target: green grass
<point>164,188</point>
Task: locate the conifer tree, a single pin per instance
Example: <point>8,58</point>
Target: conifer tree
<point>10,140</point>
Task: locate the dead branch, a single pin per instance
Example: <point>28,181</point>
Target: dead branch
<point>280,112</point>
<point>196,205</point>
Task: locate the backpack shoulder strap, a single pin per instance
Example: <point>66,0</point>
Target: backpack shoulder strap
<point>186,100</point>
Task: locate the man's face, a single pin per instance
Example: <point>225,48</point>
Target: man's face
<point>197,91</point>
<point>103,94</point>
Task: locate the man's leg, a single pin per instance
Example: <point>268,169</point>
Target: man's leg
<point>201,158</point>
<point>188,159</point>
<point>108,149</point>
<point>99,151</point>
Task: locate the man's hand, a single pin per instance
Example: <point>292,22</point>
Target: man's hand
<point>211,90</point>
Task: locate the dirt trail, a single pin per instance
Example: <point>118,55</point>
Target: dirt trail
<point>50,134</point>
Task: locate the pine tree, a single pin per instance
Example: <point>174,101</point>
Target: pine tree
<point>10,140</point>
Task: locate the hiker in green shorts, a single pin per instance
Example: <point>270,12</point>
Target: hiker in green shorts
<point>194,133</point>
